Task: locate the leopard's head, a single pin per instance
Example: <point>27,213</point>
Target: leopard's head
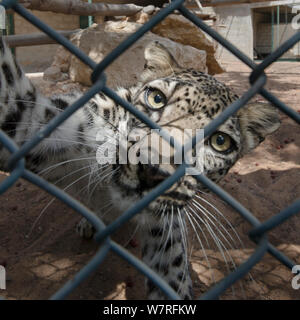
<point>178,99</point>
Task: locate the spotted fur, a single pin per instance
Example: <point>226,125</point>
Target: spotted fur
<point>193,99</point>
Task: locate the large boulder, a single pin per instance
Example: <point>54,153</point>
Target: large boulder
<point>99,40</point>
<point>181,30</point>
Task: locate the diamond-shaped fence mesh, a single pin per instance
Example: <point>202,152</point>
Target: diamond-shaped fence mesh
<point>257,80</point>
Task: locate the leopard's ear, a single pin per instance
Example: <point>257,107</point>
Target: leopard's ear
<point>159,62</point>
<point>257,120</point>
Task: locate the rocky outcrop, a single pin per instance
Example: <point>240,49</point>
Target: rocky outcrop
<point>99,40</point>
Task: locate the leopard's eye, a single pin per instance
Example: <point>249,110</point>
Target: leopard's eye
<point>155,99</point>
<point>221,142</point>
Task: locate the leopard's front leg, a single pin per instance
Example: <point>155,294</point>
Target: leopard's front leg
<point>164,249</point>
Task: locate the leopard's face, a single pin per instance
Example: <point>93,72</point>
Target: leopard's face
<point>177,100</point>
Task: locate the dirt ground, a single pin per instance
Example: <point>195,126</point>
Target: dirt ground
<point>265,182</point>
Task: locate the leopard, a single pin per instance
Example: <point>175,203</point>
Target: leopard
<point>174,98</point>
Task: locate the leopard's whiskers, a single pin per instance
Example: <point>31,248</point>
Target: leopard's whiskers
<point>50,168</point>
<point>167,228</point>
<point>222,216</point>
<point>216,239</point>
<point>189,215</point>
<point>221,247</point>
<point>166,231</point>
<point>70,174</point>
<point>209,217</point>
<point>183,232</point>
<point>131,236</point>
<point>103,178</point>
<point>220,244</point>
<point>216,210</point>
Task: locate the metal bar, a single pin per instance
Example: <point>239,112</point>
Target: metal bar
<point>278,25</point>
<point>33,39</point>
<point>90,18</point>
<point>272,31</point>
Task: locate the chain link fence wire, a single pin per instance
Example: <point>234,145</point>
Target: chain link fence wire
<point>257,80</point>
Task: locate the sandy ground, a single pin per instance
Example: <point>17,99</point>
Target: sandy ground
<point>265,182</point>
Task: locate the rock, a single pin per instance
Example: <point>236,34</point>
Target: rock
<point>149,9</point>
<point>62,59</point>
<point>144,15</point>
<point>141,17</point>
<point>258,287</point>
<point>121,26</point>
<point>207,275</point>
<point>180,30</point>
<point>99,40</point>
<point>60,66</point>
<point>53,73</point>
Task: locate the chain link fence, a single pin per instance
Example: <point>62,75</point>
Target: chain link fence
<point>257,80</point>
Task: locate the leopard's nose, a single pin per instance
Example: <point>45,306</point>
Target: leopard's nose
<point>150,176</point>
